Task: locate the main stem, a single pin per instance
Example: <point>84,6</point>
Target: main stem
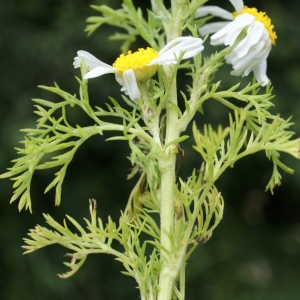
<point>167,169</point>
<point>172,24</point>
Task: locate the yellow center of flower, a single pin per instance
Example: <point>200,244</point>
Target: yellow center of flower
<point>137,61</point>
<point>261,17</point>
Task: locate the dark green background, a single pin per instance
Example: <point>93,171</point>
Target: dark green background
<point>253,254</point>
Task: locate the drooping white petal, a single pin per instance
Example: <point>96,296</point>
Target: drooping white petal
<point>255,33</point>
<point>76,62</point>
<point>214,11</point>
<point>120,81</point>
<point>90,60</point>
<point>99,71</point>
<point>244,63</point>
<point>130,84</point>
<point>237,4</point>
<point>257,60</point>
<point>260,72</point>
<point>229,33</point>
<point>168,54</point>
<point>243,66</point>
<point>211,28</point>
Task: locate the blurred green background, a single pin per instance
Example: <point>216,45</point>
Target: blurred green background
<point>255,251</point>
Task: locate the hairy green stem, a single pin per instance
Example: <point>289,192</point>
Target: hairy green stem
<point>167,169</point>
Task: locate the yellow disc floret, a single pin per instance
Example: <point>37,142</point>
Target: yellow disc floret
<point>261,17</point>
<point>140,58</point>
<point>137,61</point>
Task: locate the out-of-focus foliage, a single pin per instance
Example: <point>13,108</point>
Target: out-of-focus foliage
<point>254,253</point>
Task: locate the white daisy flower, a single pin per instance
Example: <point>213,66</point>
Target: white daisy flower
<point>140,65</point>
<point>249,31</point>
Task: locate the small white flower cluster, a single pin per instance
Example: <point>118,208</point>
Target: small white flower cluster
<point>249,52</point>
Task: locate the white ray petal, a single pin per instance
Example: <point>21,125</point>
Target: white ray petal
<point>229,33</point>
<point>214,11</point>
<point>253,65</point>
<point>237,4</point>
<point>255,32</point>
<point>260,73</point>
<point>130,85</point>
<point>212,28</point>
<point>243,63</point>
<point>90,60</point>
<point>168,54</point>
<point>119,80</point>
<point>99,71</point>
<point>243,66</point>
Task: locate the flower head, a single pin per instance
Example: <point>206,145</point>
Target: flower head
<point>141,65</point>
<point>249,32</point>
